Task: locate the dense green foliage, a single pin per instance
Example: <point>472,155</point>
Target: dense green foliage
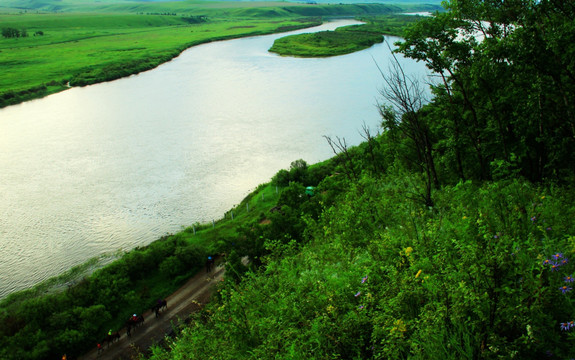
<point>343,40</point>
<point>74,320</point>
<point>504,103</point>
<point>379,276</point>
<point>449,235</point>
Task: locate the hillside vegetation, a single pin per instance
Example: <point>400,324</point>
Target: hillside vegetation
<point>449,235</point>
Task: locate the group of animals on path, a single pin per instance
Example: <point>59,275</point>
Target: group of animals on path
<point>136,321</point>
<point>131,324</point>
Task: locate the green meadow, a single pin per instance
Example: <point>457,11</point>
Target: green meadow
<point>69,43</point>
<point>82,49</point>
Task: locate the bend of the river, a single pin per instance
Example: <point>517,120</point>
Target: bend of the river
<point>112,166</point>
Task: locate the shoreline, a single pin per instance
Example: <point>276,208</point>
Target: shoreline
<point>11,98</point>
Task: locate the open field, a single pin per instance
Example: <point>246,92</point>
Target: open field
<point>105,47</point>
<point>69,43</point>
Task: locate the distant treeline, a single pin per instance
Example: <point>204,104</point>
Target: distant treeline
<point>15,33</point>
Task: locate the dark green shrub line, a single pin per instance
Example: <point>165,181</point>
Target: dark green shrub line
<point>16,97</point>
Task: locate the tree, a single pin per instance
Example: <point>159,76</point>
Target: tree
<point>10,33</point>
<point>507,77</point>
<point>298,170</point>
<point>404,119</point>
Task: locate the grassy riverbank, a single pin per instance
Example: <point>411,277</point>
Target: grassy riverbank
<point>74,311</point>
<point>85,49</point>
<point>343,40</point>
<point>61,44</point>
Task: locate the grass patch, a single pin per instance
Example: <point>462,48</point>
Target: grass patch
<point>325,43</point>
<point>343,40</point>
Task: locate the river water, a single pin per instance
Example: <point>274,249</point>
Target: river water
<point>112,166</point>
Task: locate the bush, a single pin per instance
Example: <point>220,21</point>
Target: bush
<point>172,266</point>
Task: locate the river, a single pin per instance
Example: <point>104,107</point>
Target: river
<point>108,167</point>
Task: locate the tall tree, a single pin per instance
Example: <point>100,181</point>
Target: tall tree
<point>507,84</point>
<point>404,120</point>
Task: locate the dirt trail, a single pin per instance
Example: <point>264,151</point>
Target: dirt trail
<point>187,299</point>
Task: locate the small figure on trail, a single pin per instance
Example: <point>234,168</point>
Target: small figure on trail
<point>161,304</point>
<point>135,318</point>
<point>111,337</point>
<point>209,264</point>
<point>99,346</point>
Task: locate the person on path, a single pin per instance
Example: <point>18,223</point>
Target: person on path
<point>209,264</point>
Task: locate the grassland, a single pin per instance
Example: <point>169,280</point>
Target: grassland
<point>343,40</point>
<point>71,43</point>
<point>83,49</point>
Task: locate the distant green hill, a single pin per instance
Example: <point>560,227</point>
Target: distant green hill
<point>181,5</point>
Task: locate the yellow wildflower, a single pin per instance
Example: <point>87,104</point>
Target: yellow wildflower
<point>418,273</point>
<point>399,326</point>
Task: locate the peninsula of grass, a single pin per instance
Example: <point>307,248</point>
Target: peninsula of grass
<point>325,43</point>
<point>343,40</point>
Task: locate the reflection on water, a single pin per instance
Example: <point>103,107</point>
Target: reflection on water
<point>117,165</point>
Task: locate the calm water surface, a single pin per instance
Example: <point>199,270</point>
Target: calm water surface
<point>113,166</point>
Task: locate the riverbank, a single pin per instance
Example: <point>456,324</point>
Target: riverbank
<point>77,316</point>
<point>73,48</point>
<point>188,299</point>
<point>80,59</point>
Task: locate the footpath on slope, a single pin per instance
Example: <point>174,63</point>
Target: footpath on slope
<point>186,300</point>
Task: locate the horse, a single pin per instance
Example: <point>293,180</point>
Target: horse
<point>110,338</point>
<point>132,323</point>
<point>161,304</point>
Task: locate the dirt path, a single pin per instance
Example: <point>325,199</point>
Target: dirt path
<point>187,299</point>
